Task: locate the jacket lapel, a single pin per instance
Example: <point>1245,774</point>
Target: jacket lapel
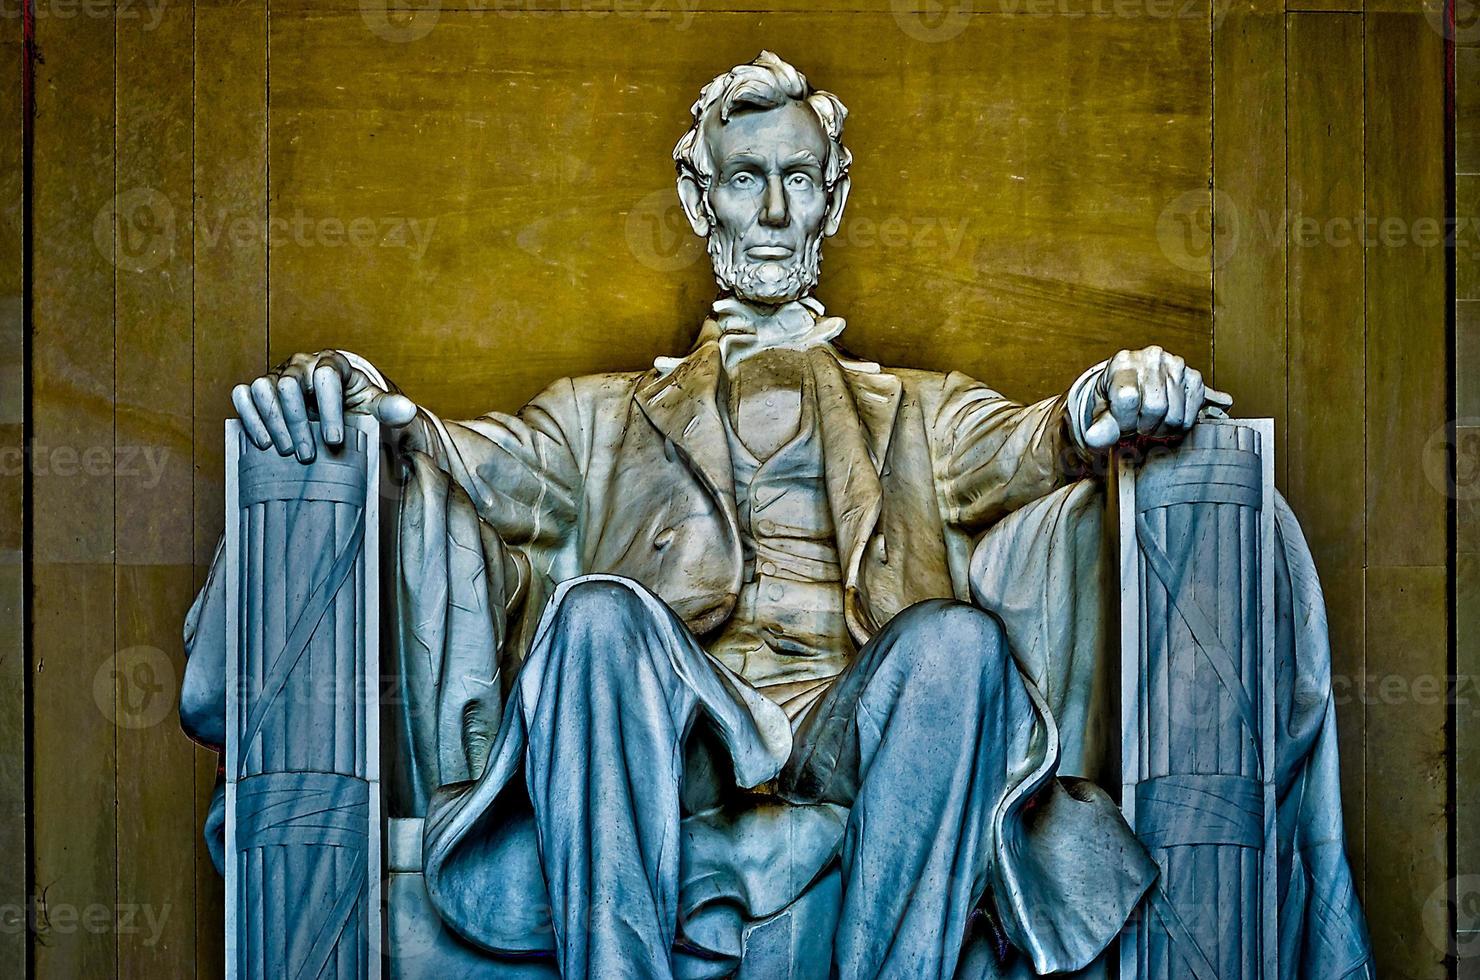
<point>856,412</point>
<point>683,404</point>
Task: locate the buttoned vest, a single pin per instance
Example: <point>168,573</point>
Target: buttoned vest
<point>788,635</point>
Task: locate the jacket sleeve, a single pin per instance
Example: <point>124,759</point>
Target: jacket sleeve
<point>993,455</point>
<point>523,471</point>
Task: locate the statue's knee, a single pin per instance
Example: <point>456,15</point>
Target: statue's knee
<point>597,627</point>
<point>953,638</point>
<point>600,606</point>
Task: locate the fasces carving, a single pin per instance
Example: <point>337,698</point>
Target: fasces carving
<point>1198,711</point>
<point>303,807</point>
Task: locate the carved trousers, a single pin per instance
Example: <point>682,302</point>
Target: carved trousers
<point>915,738</point>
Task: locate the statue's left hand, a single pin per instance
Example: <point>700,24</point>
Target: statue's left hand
<point>275,409</point>
<point>1147,392</point>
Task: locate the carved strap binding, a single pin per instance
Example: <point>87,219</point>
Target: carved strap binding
<point>1197,702</point>
<point>303,798</point>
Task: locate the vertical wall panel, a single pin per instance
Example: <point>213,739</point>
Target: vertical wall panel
<point>1407,874</point>
<point>13,748</point>
<point>1405,287</point>
<point>154,574</point>
<point>1407,625</point>
<point>73,475</point>
<point>1465,483</point>
<point>1326,358</point>
<point>1249,178</point>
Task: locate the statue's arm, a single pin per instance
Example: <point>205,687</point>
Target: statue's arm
<point>523,471</point>
<point>994,455</point>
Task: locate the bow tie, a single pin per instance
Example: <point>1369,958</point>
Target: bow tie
<point>745,330</point>
<point>742,330</point>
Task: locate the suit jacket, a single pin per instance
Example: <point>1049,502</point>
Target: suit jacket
<point>629,474</point>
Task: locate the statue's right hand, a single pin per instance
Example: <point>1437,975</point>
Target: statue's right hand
<point>275,409</point>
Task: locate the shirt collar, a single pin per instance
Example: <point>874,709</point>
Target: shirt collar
<point>742,330</point>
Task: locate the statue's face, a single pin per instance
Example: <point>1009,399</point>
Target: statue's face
<point>767,203</point>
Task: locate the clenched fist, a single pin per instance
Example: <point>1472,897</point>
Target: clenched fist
<point>276,408</point>
<point>1147,392</point>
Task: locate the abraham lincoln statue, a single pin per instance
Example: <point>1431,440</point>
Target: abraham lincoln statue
<point>685,648</point>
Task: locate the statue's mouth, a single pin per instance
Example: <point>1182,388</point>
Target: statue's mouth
<point>766,252</point>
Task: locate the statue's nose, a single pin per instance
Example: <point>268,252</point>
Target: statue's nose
<point>773,211</point>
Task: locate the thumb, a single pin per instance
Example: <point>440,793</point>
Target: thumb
<point>1221,399</point>
<point>1104,432</point>
<point>393,410</point>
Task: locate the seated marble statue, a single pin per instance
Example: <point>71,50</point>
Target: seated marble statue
<point>681,647</point>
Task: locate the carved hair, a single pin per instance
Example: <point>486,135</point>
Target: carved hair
<point>765,83</point>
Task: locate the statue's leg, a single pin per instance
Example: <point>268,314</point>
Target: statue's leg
<point>916,736</point>
<point>609,692</point>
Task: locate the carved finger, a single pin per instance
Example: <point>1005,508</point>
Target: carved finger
<point>1125,398</point>
<point>295,413</point>
<point>328,395</point>
<point>340,363</point>
<point>297,369</point>
<point>241,400</point>
<point>1176,396</point>
<point>1191,394</point>
<point>265,397</point>
<point>1153,399</point>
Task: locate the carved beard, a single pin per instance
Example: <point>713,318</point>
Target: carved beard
<point>769,283</point>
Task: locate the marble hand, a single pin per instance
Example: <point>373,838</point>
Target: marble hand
<point>275,409</point>
<point>1147,392</point>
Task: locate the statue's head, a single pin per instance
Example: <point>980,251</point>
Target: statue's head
<point>763,177</point>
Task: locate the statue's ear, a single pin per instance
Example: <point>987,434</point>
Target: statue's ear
<point>691,196</point>
<point>836,201</point>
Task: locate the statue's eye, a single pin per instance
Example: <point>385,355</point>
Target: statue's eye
<point>743,179</point>
<point>799,181</point>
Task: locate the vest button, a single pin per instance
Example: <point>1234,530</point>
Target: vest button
<point>765,527</point>
<point>775,590</point>
<point>769,568</point>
